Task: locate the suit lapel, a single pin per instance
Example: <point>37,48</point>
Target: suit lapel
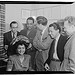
<point>52,49</point>
<point>60,47</point>
<point>59,43</point>
<point>10,36</point>
<point>18,34</point>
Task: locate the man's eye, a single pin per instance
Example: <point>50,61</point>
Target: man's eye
<point>19,48</point>
<point>23,48</point>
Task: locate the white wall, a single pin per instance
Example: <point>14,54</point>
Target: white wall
<point>52,12</point>
<point>13,12</point>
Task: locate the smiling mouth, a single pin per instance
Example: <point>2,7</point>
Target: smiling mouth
<point>21,52</point>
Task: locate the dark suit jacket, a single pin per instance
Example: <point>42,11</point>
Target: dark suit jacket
<point>60,49</point>
<point>31,34</point>
<point>7,40</point>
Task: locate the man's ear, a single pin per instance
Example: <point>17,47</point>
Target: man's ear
<point>73,26</point>
<point>58,30</point>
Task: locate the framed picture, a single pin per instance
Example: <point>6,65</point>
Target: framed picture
<point>25,13</point>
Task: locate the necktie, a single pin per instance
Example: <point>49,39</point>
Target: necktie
<point>13,35</point>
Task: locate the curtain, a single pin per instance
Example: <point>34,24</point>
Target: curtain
<point>2,29</point>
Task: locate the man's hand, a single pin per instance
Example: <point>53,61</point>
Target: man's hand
<point>6,47</point>
<point>27,41</point>
<point>47,67</point>
<point>30,45</point>
<point>5,60</point>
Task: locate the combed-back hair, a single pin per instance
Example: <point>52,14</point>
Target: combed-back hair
<point>13,22</point>
<point>56,26</point>
<point>42,20</point>
<point>30,18</point>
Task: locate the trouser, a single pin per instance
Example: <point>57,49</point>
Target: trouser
<point>39,61</point>
<point>55,65</point>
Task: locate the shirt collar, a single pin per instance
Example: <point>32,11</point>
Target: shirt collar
<point>57,37</point>
<point>12,33</point>
<point>44,30</point>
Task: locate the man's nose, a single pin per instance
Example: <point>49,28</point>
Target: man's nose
<point>64,29</point>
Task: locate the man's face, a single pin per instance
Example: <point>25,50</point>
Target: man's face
<point>67,27</point>
<point>29,24</point>
<point>52,32</point>
<point>14,27</point>
<point>40,27</point>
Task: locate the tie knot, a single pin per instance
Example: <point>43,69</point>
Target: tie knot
<point>54,40</point>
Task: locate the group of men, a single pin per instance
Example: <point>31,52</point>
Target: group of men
<point>51,49</point>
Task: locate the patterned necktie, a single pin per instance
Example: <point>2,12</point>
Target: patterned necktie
<point>13,35</point>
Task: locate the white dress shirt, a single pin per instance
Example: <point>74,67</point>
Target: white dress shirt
<point>55,48</point>
<point>15,35</point>
<point>43,32</point>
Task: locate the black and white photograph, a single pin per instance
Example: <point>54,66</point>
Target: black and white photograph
<point>37,37</point>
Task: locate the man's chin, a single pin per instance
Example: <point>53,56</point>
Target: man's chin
<point>52,37</point>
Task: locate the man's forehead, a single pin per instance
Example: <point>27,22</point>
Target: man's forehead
<point>51,27</point>
<point>30,20</point>
<point>15,25</point>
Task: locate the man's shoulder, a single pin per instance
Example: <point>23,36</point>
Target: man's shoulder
<point>23,30</point>
<point>63,36</point>
<point>63,39</point>
<point>6,33</point>
<point>12,57</point>
<point>33,29</point>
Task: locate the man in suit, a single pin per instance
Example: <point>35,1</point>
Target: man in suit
<point>68,63</point>
<point>56,52</point>
<point>9,36</point>
<point>29,29</point>
<point>30,32</point>
<point>41,43</point>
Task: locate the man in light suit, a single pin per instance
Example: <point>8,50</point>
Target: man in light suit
<point>68,63</point>
<point>41,43</point>
<point>56,52</point>
<point>9,36</point>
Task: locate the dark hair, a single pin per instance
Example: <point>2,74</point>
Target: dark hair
<point>56,26</point>
<point>15,46</point>
<point>30,18</point>
<point>41,20</point>
<point>13,22</point>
